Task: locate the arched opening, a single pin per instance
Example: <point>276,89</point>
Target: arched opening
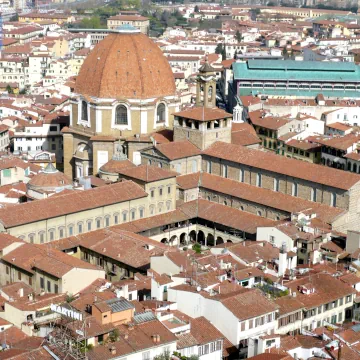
<point>173,240</point>
<point>219,240</point>
<point>164,241</point>
<point>229,241</point>
<point>201,237</point>
<point>84,111</point>
<point>354,168</point>
<point>121,115</point>
<point>349,166</point>
<point>183,239</point>
<point>210,240</point>
<point>210,93</point>
<point>328,162</point>
<point>192,236</point>
<point>160,113</point>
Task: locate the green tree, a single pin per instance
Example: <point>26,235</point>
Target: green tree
<point>238,36</point>
<point>219,48</point>
<point>9,89</point>
<point>197,248</point>
<point>164,356</point>
<point>114,335</point>
<point>91,23</point>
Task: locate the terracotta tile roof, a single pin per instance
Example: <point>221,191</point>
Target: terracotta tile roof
<point>259,118</point>
<point>189,181</point>
<point>7,239</point>
<point>269,198</point>
<point>282,165</point>
<point>178,150</point>
<point>127,66</point>
<point>147,173</point>
<point>338,142</point>
<point>137,339</point>
<point>249,304</point>
<point>327,289</point>
<point>203,114</point>
<point>303,144</point>
<point>288,304</point>
<point>114,166</point>
<point>12,336</point>
<point>129,18</point>
<point>131,249</point>
<point>339,126</point>
<point>51,261</point>
<point>71,203</point>
<point>244,134</point>
<point>231,217</point>
<point>11,290</point>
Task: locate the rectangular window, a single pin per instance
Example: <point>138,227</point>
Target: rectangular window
<point>56,288</point>
<point>7,270</point>
<point>61,233</point>
<point>152,193</point>
<point>71,230</point>
<point>124,216</point>
<point>52,235</point>
<point>7,173</point>
<point>333,199</point>
<point>169,189</point>
<point>258,180</point>
<point>276,184</point>
<point>48,286</point>
<point>107,221</point>
<point>224,171</point>
<point>19,275</point>
<point>272,239</point>
<point>243,326</point>
<point>294,189</point>
<point>89,225</point>
<point>141,212</point>
<point>242,175</point>
<point>313,194</point>
<point>160,191</point>
<point>133,215</point>
<point>80,228</point>
<point>208,167</point>
<point>116,219</point>
<point>98,223</point>
<point>42,283</point>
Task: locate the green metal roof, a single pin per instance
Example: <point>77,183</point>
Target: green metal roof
<point>288,70</point>
<point>300,93</point>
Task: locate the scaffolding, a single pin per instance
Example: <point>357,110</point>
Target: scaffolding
<point>68,339</point>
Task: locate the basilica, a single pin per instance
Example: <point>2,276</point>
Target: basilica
<point>125,91</point>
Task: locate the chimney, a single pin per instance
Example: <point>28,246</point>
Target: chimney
<point>21,292</point>
<point>113,350</point>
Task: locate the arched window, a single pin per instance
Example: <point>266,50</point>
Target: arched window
<point>31,238</point>
<point>89,225</point>
<point>354,167</point>
<point>107,220</point>
<point>98,223</point>
<point>168,205</point>
<point>132,214</point>
<point>84,111</point>
<point>160,113</point>
<point>42,237</point>
<point>210,93</point>
<point>71,230</point>
<point>116,218</point>
<point>121,116</point>
<point>80,227</point>
<point>61,232</point>
<point>152,209</point>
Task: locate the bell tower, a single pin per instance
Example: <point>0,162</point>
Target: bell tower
<point>206,86</point>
